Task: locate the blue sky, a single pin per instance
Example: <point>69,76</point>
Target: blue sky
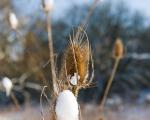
<point>141,5</point>
<point>31,7</point>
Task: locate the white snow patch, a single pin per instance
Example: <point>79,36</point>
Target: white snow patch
<point>74,79</point>
<point>48,4</point>
<point>13,20</point>
<point>7,84</point>
<point>67,106</point>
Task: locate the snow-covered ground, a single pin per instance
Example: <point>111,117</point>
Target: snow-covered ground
<point>89,112</point>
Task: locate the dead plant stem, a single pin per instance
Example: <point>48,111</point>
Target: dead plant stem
<point>109,83</point>
<point>15,101</point>
<point>51,55</point>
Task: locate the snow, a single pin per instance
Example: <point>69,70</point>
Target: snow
<point>48,4</point>
<point>67,106</point>
<point>13,20</point>
<point>7,84</point>
<point>74,79</point>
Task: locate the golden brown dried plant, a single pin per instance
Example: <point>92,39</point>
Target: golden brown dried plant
<point>118,50</point>
<point>76,61</point>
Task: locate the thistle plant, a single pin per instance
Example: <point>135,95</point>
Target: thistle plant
<point>118,52</point>
<point>76,63</point>
<point>76,72</point>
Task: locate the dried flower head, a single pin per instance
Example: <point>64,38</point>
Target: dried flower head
<point>118,50</point>
<point>47,5</point>
<point>75,63</point>
<point>13,21</point>
<point>76,58</point>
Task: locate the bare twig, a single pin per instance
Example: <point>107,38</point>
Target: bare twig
<point>92,65</point>
<point>19,36</point>
<point>74,56</point>
<point>15,101</point>
<point>41,101</point>
<point>80,113</point>
<point>85,21</point>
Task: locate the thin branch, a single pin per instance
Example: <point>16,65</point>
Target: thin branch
<point>92,66</point>
<point>75,88</point>
<point>41,101</point>
<point>80,113</point>
<point>15,101</point>
<point>93,7</point>
<point>84,23</point>
<point>51,55</point>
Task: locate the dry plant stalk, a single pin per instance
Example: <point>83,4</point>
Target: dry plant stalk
<point>15,101</point>
<point>87,18</point>
<point>85,21</point>
<point>51,55</point>
<point>47,8</point>
<point>117,54</point>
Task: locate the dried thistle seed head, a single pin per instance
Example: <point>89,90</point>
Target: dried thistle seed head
<point>13,21</point>
<point>118,50</point>
<point>47,5</point>
<point>76,60</point>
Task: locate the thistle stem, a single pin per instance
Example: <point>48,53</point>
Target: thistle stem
<point>109,83</point>
<point>75,90</point>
